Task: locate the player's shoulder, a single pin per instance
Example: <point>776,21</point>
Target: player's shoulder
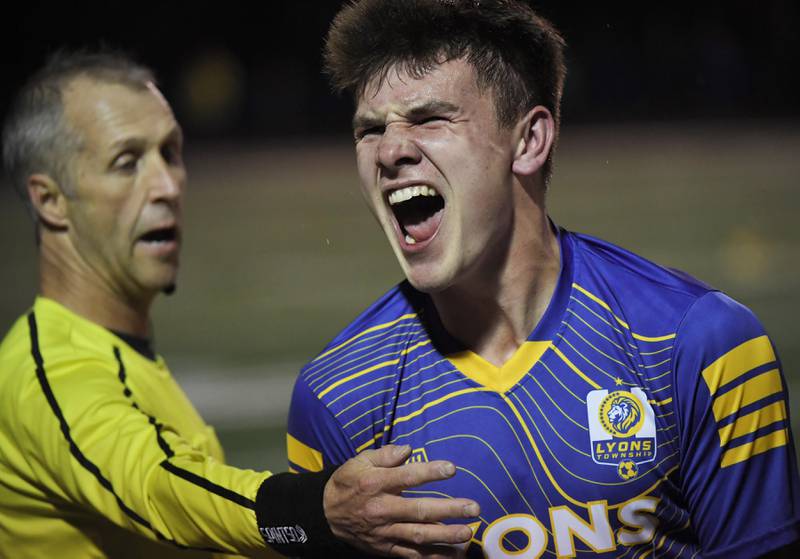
<point>659,299</point>
<point>716,325</point>
<point>637,290</point>
<point>391,320</point>
<point>634,270</point>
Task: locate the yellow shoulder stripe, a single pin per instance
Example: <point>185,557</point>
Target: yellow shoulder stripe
<point>303,455</point>
<point>621,322</point>
<point>738,361</point>
<point>758,446</point>
<point>752,422</point>
<point>364,333</point>
<point>755,389</point>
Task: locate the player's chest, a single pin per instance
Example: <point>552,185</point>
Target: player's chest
<point>557,454</point>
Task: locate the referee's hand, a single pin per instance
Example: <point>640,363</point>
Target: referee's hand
<point>363,506</point>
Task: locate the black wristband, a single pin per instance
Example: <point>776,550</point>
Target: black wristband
<point>291,518</point>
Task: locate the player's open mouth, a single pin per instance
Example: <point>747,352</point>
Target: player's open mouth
<point>418,210</point>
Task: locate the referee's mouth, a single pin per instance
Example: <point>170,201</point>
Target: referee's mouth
<point>418,211</point>
<point>162,240</point>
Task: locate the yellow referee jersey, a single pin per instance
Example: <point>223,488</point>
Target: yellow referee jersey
<point>103,455</point>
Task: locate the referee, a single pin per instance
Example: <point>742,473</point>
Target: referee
<point>101,453</point>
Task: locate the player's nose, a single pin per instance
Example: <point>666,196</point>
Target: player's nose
<point>397,148</point>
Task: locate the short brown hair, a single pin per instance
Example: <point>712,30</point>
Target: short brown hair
<point>516,54</point>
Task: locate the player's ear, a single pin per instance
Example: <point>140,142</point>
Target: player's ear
<point>535,136</point>
<point>48,201</point>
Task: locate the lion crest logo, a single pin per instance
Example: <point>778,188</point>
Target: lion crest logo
<point>622,430</point>
<point>621,414</point>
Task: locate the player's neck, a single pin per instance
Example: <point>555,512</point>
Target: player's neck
<point>85,294</point>
<point>493,314</point>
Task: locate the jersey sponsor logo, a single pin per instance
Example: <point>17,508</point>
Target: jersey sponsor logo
<point>283,534</point>
<point>622,429</point>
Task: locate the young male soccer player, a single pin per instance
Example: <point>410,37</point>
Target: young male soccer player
<point>101,454</point>
<point>596,403</point>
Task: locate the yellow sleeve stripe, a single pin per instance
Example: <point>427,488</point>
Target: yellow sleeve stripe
<point>364,333</point>
<point>755,389</point>
<point>758,446</point>
<point>621,322</point>
<point>738,361</point>
<point>373,368</point>
<point>752,422</point>
<point>303,455</point>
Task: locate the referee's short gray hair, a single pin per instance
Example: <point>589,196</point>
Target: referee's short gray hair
<point>35,137</point>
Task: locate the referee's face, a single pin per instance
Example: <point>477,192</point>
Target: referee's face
<point>124,210</point>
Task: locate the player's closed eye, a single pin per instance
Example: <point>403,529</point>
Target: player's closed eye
<point>372,131</point>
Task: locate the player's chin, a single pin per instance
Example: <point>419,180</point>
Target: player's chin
<point>427,277</point>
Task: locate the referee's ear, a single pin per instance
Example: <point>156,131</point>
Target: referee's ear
<point>48,201</point>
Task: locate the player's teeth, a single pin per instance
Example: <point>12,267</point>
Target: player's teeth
<point>409,192</point>
<point>410,240</point>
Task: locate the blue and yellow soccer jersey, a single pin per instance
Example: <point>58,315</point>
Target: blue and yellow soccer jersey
<point>646,415</point>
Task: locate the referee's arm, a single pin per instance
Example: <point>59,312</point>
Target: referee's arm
<point>99,452</point>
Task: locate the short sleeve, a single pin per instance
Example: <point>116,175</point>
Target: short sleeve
<point>738,465</point>
<point>315,439</point>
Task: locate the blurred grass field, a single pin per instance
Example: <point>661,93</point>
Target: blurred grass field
<point>280,251</point>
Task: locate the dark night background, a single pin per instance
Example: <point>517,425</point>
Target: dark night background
<point>680,141</point>
<point>240,70</point>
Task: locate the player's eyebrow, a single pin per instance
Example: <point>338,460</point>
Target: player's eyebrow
<point>427,108</point>
<point>434,106</point>
<point>361,121</point>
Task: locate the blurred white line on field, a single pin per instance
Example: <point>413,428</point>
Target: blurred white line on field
<point>238,397</point>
